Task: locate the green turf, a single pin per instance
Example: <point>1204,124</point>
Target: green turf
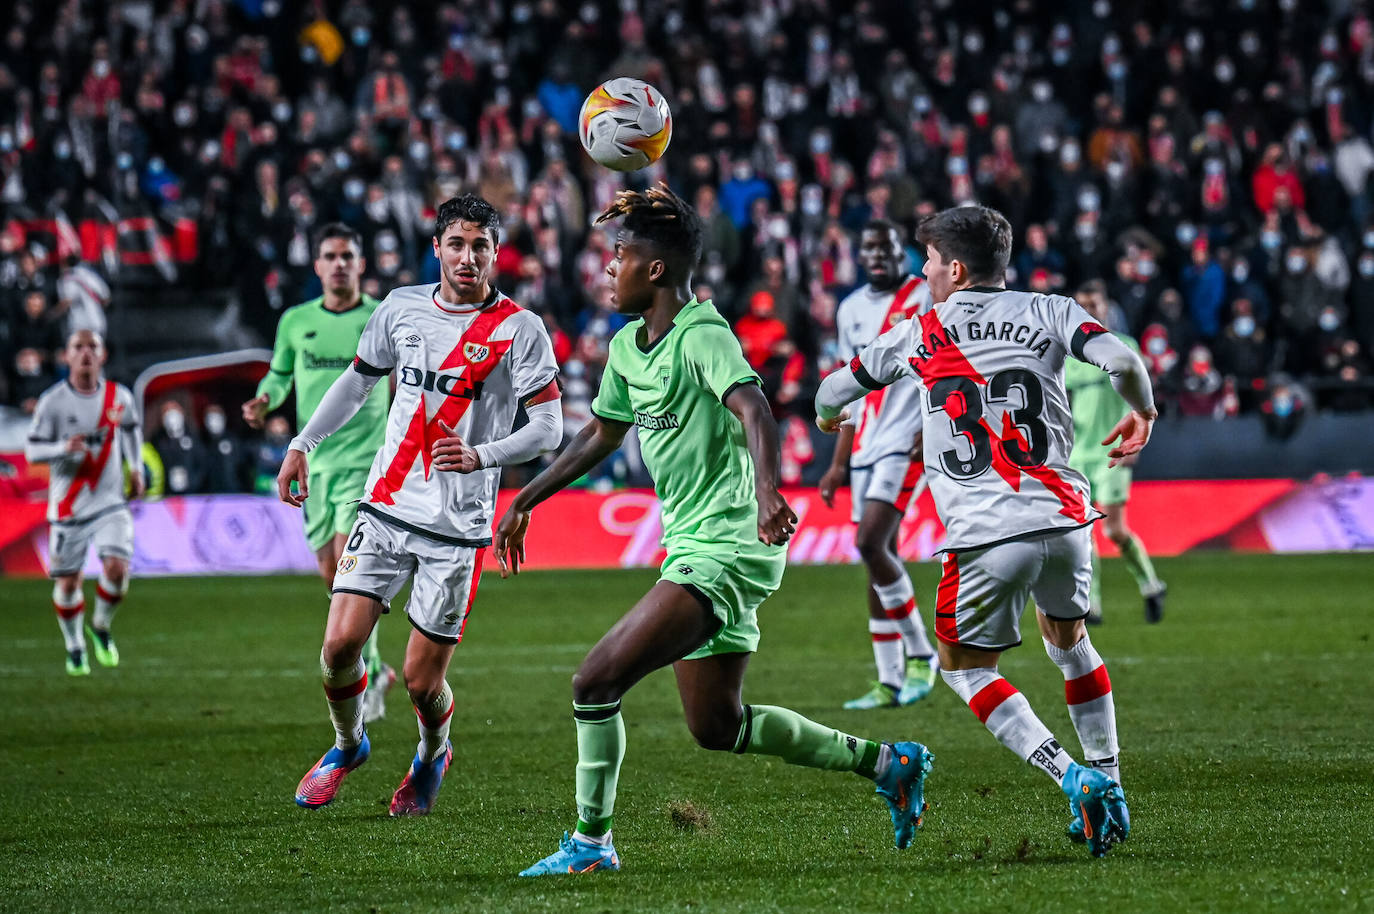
<point>166,784</point>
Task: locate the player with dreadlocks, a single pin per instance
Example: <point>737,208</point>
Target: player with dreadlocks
<point>711,446</point>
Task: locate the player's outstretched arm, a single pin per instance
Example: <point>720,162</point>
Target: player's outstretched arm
<point>598,440</point>
<point>777,520</point>
<point>1131,380</point>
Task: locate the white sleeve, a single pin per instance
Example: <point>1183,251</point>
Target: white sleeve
<point>376,348</point>
<point>43,444</point>
<point>532,365</point>
<point>1129,375</point>
<point>339,404</point>
<point>879,364</point>
<point>540,435</point>
<point>838,390</point>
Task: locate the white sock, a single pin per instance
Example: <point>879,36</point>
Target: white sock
<point>603,840</point>
<point>887,652</point>
<point>898,600</point>
<point>884,761</point>
<point>70,608</point>
<point>1005,712</point>
<point>344,690</point>
<point>107,597</point>
<point>434,720</point>
<point>1088,692</point>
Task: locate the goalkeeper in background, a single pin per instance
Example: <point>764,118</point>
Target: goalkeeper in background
<point>1096,411</point>
<point>316,341</point>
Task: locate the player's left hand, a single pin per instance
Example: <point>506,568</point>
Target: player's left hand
<point>137,485</point>
<point>1134,432</point>
<point>777,520</point>
<point>832,425</point>
<point>508,541</point>
<point>452,455</point>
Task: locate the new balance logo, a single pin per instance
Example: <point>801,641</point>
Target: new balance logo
<point>310,335</point>
<point>684,569</point>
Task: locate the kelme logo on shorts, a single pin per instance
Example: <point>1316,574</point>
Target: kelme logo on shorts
<point>347,563</point>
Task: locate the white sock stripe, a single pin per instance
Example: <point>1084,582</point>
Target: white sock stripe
<point>109,587</point>
<point>64,601</point>
<point>896,594</point>
<point>883,627</point>
<point>968,683</point>
<point>347,676</point>
<point>1079,660</point>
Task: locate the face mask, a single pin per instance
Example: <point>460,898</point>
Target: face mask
<point>1069,154</point>
<point>973,43</point>
<point>1102,9</point>
<point>1244,325</point>
<point>62,149</point>
<point>1059,56</point>
<point>101,68</point>
<point>1296,263</point>
<point>215,423</point>
<point>820,43</point>
<point>813,203</point>
<point>743,172</point>
<point>1249,44</point>
<point>957,165</point>
<point>1224,72</point>
<point>1157,345</point>
<point>1116,70</point>
<point>1185,233</point>
<point>1329,321</point>
<point>977,104</point>
<point>362,35</point>
<point>1241,272</point>
<point>1367,266</point>
<point>1193,42</point>
<point>820,143</point>
<point>183,115</point>
<point>354,188</point>
<point>1115,172</point>
<point>419,151</point>
<point>1023,43</point>
<point>1145,268</point>
<point>456,140</point>
<point>281,112</point>
<point>1271,240</point>
<point>174,422</point>
<point>1214,167</point>
<point>1089,200</point>
<point>1368,239</point>
<point>342,160</point>
<point>1041,92</point>
<point>778,228</point>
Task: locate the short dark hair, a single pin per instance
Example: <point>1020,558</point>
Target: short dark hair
<point>337,230</point>
<point>979,237</point>
<point>883,225</point>
<point>660,217</point>
<point>468,208</point>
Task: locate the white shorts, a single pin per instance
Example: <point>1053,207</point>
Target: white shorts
<point>378,558</point>
<point>112,533</point>
<point>895,480</point>
<point>983,592</point>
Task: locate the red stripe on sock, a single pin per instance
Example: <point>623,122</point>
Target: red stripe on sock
<point>342,693</point>
<point>990,698</point>
<point>902,612</point>
<point>1088,687</point>
<point>886,636</point>
<point>108,597</point>
<point>432,724</point>
<point>947,601</point>
<point>70,612</point>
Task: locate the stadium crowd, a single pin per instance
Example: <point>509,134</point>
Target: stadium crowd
<point>1203,165</point>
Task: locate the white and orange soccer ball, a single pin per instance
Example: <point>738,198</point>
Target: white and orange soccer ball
<point>625,124</point>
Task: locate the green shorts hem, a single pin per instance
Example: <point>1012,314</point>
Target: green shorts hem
<point>1108,485</point>
<point>332,506</point>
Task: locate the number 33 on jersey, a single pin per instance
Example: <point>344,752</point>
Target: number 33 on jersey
<point>998,430</point>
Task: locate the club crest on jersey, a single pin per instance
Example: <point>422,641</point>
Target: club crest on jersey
<point>895,318</point>
<point>113,414</point>
<point>347,563</point>
<point>476,352</point>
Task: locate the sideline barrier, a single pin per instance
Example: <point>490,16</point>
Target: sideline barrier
<point>250,534</point>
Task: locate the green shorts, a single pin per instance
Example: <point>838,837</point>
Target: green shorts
<point>1109,485</point>
<point>333,504</point>
<point>735,582</point>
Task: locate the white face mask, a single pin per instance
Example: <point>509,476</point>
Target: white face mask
<point>1367,266</point>
<point>215,422</point>
<point>1329,321</point>
<point>1296,263</point>
<point>174,422</point>
<point>1244,325</point>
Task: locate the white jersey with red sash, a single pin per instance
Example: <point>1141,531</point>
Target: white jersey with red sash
<point>466,367</point>
<point>82,486</point>
<point>885,421</point>
<point>998,430</point>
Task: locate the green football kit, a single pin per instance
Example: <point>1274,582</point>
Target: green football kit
<point>696,453</point>
<point>314,346</point>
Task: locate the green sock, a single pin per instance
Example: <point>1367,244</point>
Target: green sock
<point>600,750</point>
<point>1138,560</point>
<point>1095,588</point>
<point>769,730</point>
<point>372,656</point>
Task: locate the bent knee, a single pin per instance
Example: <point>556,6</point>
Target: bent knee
<point>719,733</point>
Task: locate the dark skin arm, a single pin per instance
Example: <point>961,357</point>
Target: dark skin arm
<point>597,441</point>
<point>777,521</point>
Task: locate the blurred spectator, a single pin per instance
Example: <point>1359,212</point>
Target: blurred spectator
<point>1200,392</point>
<point>184,458</point>
<point>1283,410</point>
<point>760,331</point>
<point>226,457</point>
<point>267,457</point>
<point>1204,290</point>
<point>85,295</point>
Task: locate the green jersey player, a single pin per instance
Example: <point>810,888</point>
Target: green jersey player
<point>1096,410</point>
<point>710,443</point>
<point>316,341</point>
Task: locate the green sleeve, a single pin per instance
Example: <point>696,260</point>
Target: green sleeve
<point>277,382</point>
<point>715,356</point>
<point>613,399</point>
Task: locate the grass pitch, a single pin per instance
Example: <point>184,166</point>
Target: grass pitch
<point>166,784</point>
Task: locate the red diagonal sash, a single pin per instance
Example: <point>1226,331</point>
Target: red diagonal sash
<point>423,432</point>
<point>873,402</point>
<point>93,464</point>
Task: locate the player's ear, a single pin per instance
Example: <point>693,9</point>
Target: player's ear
<point>657,269</point>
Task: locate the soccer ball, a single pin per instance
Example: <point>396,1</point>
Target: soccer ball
<point>625,124</point>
